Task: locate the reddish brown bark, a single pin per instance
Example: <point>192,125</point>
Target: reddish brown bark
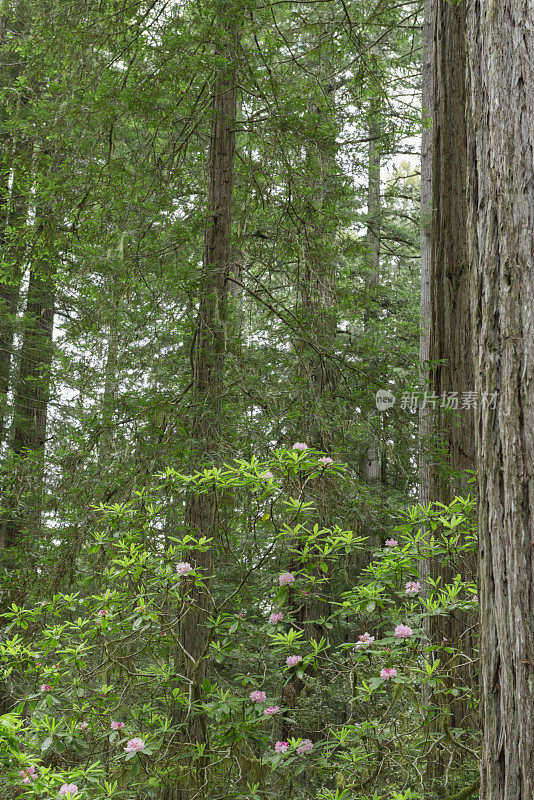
<point>501,249</point>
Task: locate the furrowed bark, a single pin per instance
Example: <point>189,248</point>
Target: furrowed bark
<point>447,432</point>
<point>500,72</point>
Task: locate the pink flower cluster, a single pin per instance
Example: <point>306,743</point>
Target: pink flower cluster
<point>103,612</point>
<point>270,710</point>
<point>275,617</point>
<point>267,476</point>
<point>403,632</point>
<point>387,674</point>
<point>183,567</point>
<point>68,790</point>
<point>413,587</point>
<point>364,640</point>
<point>286,579</point>
<point>300,446</point>
<point>258,697</point>
<point>281,747</point>
<point>326,461</point>
<point>292,661</point>
<point>306,746</point>
<point>134,745</point>
<point>28,775</point>
<point>391,543</point>
<point>46,687</point>
<point>82,726</point>
<point>117,726</point>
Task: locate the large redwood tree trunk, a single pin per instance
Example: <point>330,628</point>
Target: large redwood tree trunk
<point>447,433</point>
<point>450,330</point>
<point>501,248</point>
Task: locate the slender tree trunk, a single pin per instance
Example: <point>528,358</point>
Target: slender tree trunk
<point>371,466</point>
<point>32,386</point>
<point>13,221</point>
<point>425,416</point>
<point>316,372</point>
<point>425,413</point>
<point>109,395</point>
<point>208,374</point>
<point>501,250</point>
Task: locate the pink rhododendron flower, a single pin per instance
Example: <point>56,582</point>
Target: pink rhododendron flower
<point>387,674</point>
<point>117,726</point>
<point>134,745</point>
<point>82,726</point>
<point>103,612</point>
<point>258,697</point>
<point>300,446</point>
<point>475,598</point>
<point>46,687</point>
<point>306,746</point>
<point>281,747</point>
<point>267,476</point>
<point>364,640</point>
<point>68,789</point>
<point>326,460</point>
<point>241,615</point>
<point>286,579</point>
<point>391,543</point>
<point>183,568</point>
<point>276,616</point>
<point>413,587</point>
<point>270,710</point>
<point>292,661</point>
<point>403,631</point>
<point>28,775</point>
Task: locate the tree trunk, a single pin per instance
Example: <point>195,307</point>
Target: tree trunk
<point>371,466</point>
<point>450,335</point>
<point>501,250</point>
<point>208,374</point>
<point>32,387</point>
<point>425,413</point>
<point>425,417</point>
<point>449,442</point>
<point>13,221</point>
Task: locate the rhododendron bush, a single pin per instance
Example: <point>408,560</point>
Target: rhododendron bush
<point>316,661</point>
